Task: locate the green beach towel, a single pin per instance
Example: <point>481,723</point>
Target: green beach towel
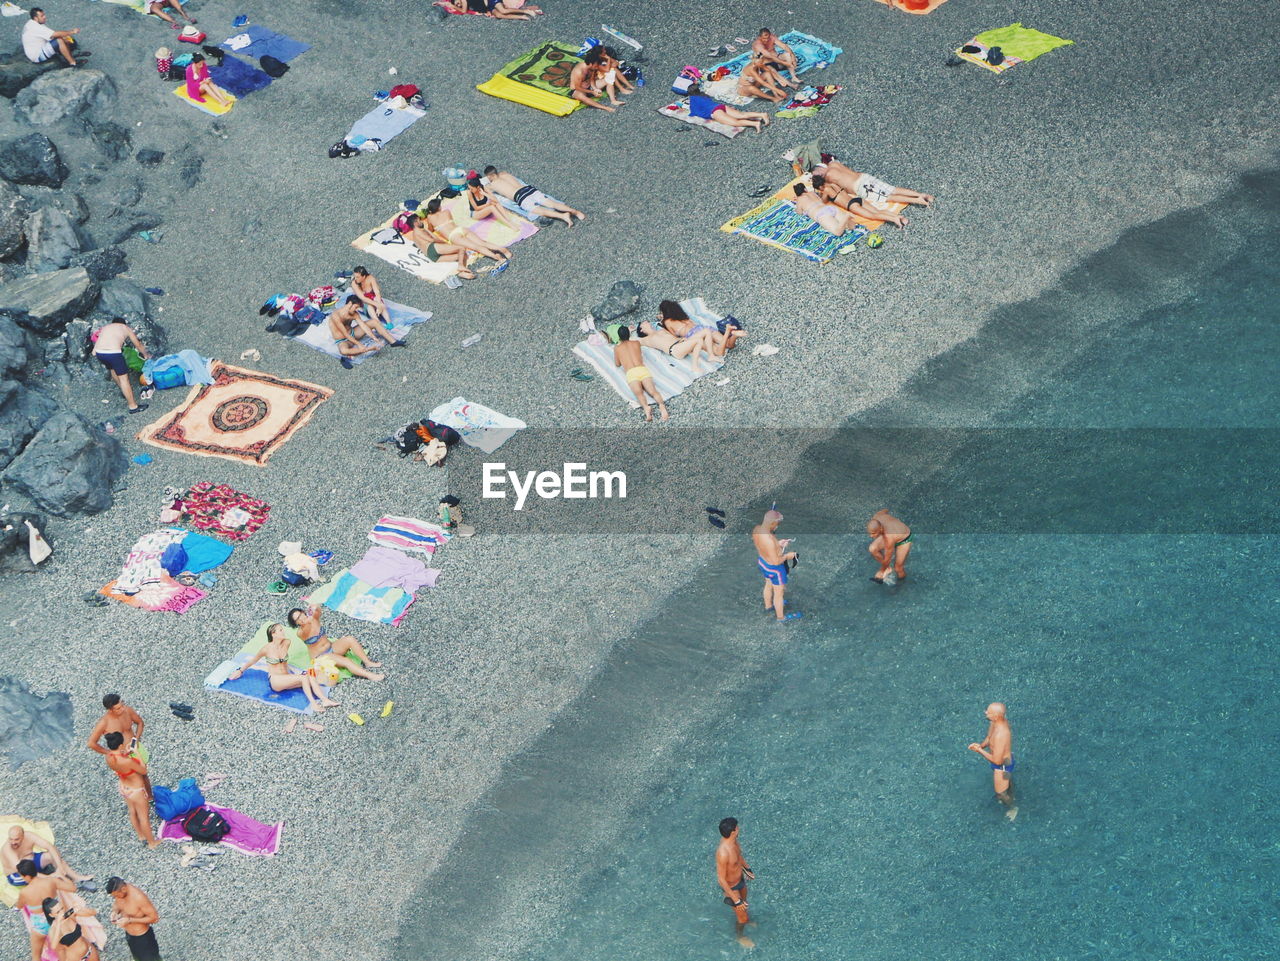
<point>546,67</point>
<point>1016,40</point>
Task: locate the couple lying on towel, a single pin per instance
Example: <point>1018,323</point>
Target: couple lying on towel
<point>327,657</point>
<point>498,9</point>
<point>840,193</point>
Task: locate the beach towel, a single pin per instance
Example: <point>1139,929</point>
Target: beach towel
<point>384,122</point>
<point>204,553</point>
<point>490,229</point>
<point>1018,44</point>
<point>402,253</point>
<point>670,375</point>
<point>209,106</point>
<point>480,426</point>
<point>680,111</point>
<point>246,835</point>
<point>408,534</point>
<point>403,320</point>
<point>776,222</point>
<point>257,41</point>
<point>387,567</point>
<point>914,6</point>
<point>255,683</point>
<point>726,91</point>
<point>8,893</point>
<point>538,79</point>
<point>245,415</point>
<point>142,563</point>
<point>163,595</point>
<point>809,51</point>
<point>349,595</point>
<point>237,77</point>
<point>206,505</point>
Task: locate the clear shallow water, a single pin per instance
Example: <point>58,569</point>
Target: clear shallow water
<point>1139,669</point>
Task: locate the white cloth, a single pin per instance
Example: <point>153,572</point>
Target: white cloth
<point>37,41</point>
<point>872,190</point>
<point>239,41</point>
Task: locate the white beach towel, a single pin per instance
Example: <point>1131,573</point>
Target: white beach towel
<point>480,426</point>
<point>403,320</point>
<point>680,111</point>
<point>670,376</point>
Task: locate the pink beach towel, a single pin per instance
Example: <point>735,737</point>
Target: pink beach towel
<point>408,534</point>
<point>246,835</point>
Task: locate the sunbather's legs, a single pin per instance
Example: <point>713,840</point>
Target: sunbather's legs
<point>901,195</point>
<point>349,645</point>
<point>652,391</point>
<point>375,328</point>
<point>732,118</point>
<point>562,208</point>
<point>455,254</point>
<point>465,238</point>
<point>637,388</point>
<point>878,213</point>
<point>348,349</point>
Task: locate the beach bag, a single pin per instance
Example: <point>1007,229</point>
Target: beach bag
<point>164,60</point>
<point>406,90</point>
<point>320,296</point>
<point>174,559</point>
<point>441,432</point>
<point>205,825</point>
<point>132,359</point>
<point>293,578</point>
<point>175,802</point>
<point>169,377</point>
<point>342,150</point>
<point>272,67</point>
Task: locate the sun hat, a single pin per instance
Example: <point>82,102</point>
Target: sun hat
<point>289,547</point>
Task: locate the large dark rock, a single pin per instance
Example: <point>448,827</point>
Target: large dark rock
<point>622,298</point>
<point>121,298</point>
<point>150,157</point>
<point>189,172</point>
<point>22,411</point>
<point>13,219</point>
<point>70,467</point>
<point>36,725</point>
<point>121,224</point>
<point>102,264</point>
<point>15,541</point>
<point>51,240</point>
<point>112,139</point>
<point>15,349</point>
<point>32,159</point>
<point>17,72</point>
<point>70,203</point>
<point>67,94</point>
<point>43,303</point>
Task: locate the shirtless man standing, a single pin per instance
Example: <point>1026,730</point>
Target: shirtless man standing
<point>628,356</point>
<point>133,786</point>
<point>772,561</point>
<point>830,218</point>
<point>732,874</point>
<point>27,845</point>
<point>109,349</point>
<point>135,914</point>
<point>890,545</point>
<point>529,198</point>
<point>127,722</point>
<point>307,623</point>
<point>997,748</point>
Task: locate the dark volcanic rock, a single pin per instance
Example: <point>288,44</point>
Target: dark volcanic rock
<point>102,264</point>
<point>43,303</point>
<point>15,349</point>
<point>67,94</point>
<point>623,297</point>
<point>13,219</point>
<point>15,552</point>
<point>32,159</point>
<point>112,139</point>
<point>70,467</point>
<point>70,203</point>
<point>22,411</point>
<point>51,240</point>
<point>189,172</point>
<point>17,72</point>
<point>37,724</point>
<point>124,224</point>
<point>121,298</point>
<point>149,157</point>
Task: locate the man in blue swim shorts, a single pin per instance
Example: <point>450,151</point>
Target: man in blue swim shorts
<point>772,560</point>
<point>997,748</point>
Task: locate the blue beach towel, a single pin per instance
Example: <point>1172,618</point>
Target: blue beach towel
<point>237,77</point>
<point>204,553</point>
<point>264,42</point>
<point>384,122</point>
<point>255,684</point>
<point>809,51</point>
<point>779,224</point>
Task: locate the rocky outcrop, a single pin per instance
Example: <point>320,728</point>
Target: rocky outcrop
<point>102,264</point>
<point>13,219</point>
<point>120,298</point>
<point>17,72</point>
<point>32,159</point>
<point>112,139</point>
<point>66,95</point>
<point>15,541</point>
<point>15,348</point>
<point>52,240</point>
<point>622,298</point>
<point>22,411</point>
<point>43,303</point>
<point>70,467</point>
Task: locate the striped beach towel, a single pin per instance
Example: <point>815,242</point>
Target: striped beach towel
<point>670,376</point>
<point>408,534</point>
<point>349,595</point>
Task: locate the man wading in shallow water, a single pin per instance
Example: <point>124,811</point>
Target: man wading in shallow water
<point>772,561</point>
<point>997,748</point>
<point>732,873</point>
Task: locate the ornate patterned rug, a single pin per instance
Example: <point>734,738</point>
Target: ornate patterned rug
<point>243,415</point>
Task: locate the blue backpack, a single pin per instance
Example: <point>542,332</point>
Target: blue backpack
<point>177,802</point>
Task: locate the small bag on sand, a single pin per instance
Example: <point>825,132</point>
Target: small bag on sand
<point>164,60</point>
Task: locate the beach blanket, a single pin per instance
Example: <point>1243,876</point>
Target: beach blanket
<point>387,567</point>
<point>246,835</point>
<point>538,79</point>
<point>142,563</point>
<point>244,415</point>
<point>809,51</point>
<point>206,504</point>
<point>8,893</point>
<point>385,122</point>
<point>255,683</point>
<point>257,41</point>
<point>680,111</point>
<point>670,375</point>
<point>209,106</point>
<point>490,229</point>
<point>403,320</point>
<point>480,426</point>
<point>408,534</point>
<point>163,595</point>
<point>204,553</point>
<point>1018,44</point>
<point>402,253</point>
<point>914,6</point>
<point>776,222</point>
<point>237,77</point>
<point>349,595</point>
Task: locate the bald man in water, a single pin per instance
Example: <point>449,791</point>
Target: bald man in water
<point>772,559</point>
<point>997,748</point>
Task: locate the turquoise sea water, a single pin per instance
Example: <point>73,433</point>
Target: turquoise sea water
<point>1139,668</point>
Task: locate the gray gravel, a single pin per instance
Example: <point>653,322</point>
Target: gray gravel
<point>1034,171</point>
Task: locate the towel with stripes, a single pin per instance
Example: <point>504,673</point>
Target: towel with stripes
<point>408,534</point>
<point>670,376</point>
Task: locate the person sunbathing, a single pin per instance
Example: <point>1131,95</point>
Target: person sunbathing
<point>628,356</point>
<point>661,339</point>
<point>306,621</point>
<point>828,217</point>
<point>775,54</point>
<point>868,188</point>
<point>200,88</point>
<point>498,9</point>
<point>529,198</point>
<point>67,936</point>
<point>156,9</point>
<point>585,86</point>
<point>444,229</point>
<point>481,203</point>
<point>275,653</point>
<point>423,238</point>
<point>367,288</point>
<point>678,323</point>
<point>759,80</point>
<point>847,200</point>
<point>708,109</point>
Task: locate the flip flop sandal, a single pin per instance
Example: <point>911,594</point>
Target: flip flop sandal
<point>714,510</point>
<point>715,521</point>
<point>499,269</point>
<point>179,706</point>
<point>579,374</point>
<point>277,587</point>
<point>322,557</point>
<point>87,887</point>
<point>183,717</point>
<point>762,191</point>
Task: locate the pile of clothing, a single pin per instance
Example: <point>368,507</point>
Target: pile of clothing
<point>291,314</point>
<point>808,101</point>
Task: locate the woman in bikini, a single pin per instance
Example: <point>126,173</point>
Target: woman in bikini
<point>68,938</point>
<point>132,773</point>
<point>441,226</point>
<point>423,237</point>
<point>675,321</point>
<point>760,80</point>
<point>307,623</point>
<point>275,654</point>
<point>32,893</point>
<point>845,199</point>
<point>482,204</point>
<point>367,288</point>
<point>200,87</point>
<point>661,339</point>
